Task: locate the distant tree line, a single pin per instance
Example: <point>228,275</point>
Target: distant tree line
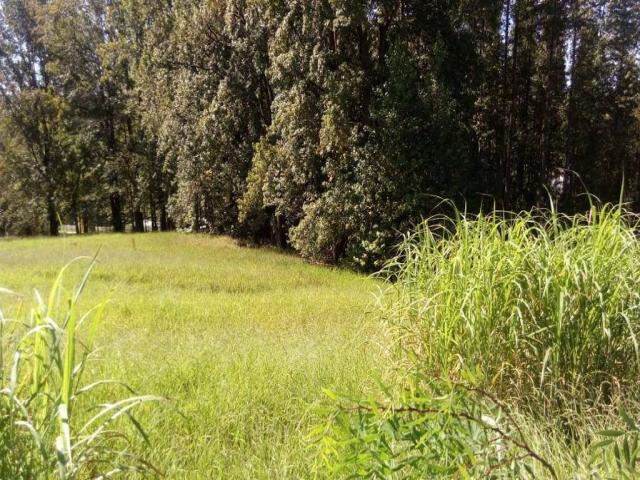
<point>330,126</point>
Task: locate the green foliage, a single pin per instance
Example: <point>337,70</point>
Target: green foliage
<point>252,216</point>
<point>543,309</point>
<point>20,212</point>
<point>617,452</point>
<point>50,421</point>
<point>326,126</point>
<point>433,428</point>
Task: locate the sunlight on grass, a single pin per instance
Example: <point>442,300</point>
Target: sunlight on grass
<point>242,340</point>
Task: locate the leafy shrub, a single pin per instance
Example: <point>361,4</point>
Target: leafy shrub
<point>617,452</point>
<point>48,421</point>
<point>433,429</point>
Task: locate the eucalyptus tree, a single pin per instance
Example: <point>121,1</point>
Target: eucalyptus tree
<point>329,126</point>
<point>215,103</point>
<point>37,113</point>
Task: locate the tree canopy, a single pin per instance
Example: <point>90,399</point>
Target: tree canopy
<point>329,126</point>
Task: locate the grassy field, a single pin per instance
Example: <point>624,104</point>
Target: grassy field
<point>242,340</point>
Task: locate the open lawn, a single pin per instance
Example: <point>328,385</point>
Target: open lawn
<point>242,340</point>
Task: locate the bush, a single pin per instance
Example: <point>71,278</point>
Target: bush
<point>433,429</point>
<point>49,422</point>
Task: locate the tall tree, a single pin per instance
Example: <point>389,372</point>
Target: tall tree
<point>29,96</point>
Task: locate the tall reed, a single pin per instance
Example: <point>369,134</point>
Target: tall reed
<point>49,425</point>
<point>539,302</point>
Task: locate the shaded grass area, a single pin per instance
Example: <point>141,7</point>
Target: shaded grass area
<point>243,341</point>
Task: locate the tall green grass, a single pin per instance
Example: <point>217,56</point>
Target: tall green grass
<point>49,425</point>
<point>539,302</point>
<point>518,353</point>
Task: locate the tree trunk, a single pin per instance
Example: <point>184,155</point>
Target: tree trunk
<point>164,218</point>
<point>195,228</point>
<point>116,212</point>
<point>52,214</point>
<point>278,231</point>
<point>86,226</point>
<point>138,221</point>
<point>154,214</point>
<point>505,124</point>
<point>154,220</point>
<point>568,186</point>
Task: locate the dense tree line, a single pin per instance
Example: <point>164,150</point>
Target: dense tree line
<point>327,125</point>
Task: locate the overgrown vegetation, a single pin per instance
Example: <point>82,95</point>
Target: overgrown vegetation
<point>541,302</point>
<point>50,423</point>
<point>433,428</point>
<point>505,322</point>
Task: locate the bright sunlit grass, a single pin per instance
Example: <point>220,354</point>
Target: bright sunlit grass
<point>242,340</point>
